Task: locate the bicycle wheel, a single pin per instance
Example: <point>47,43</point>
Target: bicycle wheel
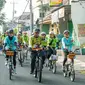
<point>40,70</point>
<point>72,76</point>
<point>10,72</point>
<point>21,59</point>
<point>54,67</point>
<point>36,69</point>
<point>65,71</point>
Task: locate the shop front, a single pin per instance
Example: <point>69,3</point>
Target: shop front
<point>65,22</point>
<point>45,24</point>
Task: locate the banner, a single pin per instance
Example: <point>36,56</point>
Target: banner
<point>56,3</point>
<point>81,30</point>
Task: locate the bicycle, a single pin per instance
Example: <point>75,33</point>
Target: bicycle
<point>52,63</point>
<point>38,64</point>
<point>25,52</point>
<point>20,55</point>
<point>69,67</point>
<point>10,62</point>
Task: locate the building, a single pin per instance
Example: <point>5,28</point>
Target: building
<point>57,17</point>
<point>78,19</point>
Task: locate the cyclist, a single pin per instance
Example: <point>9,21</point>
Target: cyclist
<point>44,45</point>
<point>20,39</point>
<point>11,44</point>
<point>66,45</point>
<point>26,38</point>
<point>52,42</point>
<point>35,40</point>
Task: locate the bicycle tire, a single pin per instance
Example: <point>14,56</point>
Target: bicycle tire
<point>40,71</point>
<point>10,72</point>
<point>65,71</point>
<point>36,69</point>
<point>21,60</point>
<point>72,76</point>
<point>54,68</point>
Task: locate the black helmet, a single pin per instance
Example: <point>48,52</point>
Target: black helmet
<point>66,31</point>
<point>11,31</point>
<point>37,30</point>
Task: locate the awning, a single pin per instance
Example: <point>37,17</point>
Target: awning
<point>46,19</point>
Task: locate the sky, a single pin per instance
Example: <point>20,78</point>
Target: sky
<point>19,7</point>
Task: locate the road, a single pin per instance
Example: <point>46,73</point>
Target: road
<point>23,76</point>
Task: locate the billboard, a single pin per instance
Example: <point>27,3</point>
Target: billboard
<point>56,3</point>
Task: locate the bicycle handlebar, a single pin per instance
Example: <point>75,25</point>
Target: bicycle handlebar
<point>36,49</point>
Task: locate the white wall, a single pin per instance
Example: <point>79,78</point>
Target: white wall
<point>78,17</point>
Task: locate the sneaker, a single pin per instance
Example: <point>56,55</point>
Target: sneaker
<point>6,63</point>
<point>63,68</point>
<point>7,66</point>
<point>31,72</point>
<point>15,71</point>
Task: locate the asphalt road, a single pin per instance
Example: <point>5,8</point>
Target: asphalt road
<point>23,76</point>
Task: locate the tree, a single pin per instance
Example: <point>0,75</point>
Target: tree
<point>2,18</point>
<point>2,15</point>
<point>43,7</point>
<point>2,3</point>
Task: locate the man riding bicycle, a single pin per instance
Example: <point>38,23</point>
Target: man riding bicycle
<point>20,39</point>
<point>67,44</point>
<point>10,43</point>
<point>35,40</point>
<point>26,38</point>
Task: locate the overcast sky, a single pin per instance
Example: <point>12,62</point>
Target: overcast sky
<point>19,7</point>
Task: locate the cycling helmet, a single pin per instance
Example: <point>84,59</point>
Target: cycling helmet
<point>51,32</point>
<point>36,30</point>
<point>11,31</point>
<point>66,31</point>
<point>43,33</point>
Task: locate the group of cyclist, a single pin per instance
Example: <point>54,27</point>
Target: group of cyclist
<point>48,44</point>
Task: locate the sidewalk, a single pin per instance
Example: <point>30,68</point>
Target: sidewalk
<point>79,62</point>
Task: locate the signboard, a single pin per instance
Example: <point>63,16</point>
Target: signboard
<point>61,12</point>
<point>81,30</point>
<point>66,2</point>
<point>54,17</point>
<point>56,2</point>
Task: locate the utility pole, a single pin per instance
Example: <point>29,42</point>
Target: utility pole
<point>31,17</point>
<point>13,12</point>
<point>41,14</point>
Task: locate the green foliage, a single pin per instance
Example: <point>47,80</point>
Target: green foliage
<point>2,15</point>
<point>2,3</point>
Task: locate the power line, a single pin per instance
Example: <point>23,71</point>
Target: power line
<point>24,10</point>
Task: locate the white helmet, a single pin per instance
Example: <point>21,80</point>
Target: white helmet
<point>51,32</point>
<point>43,33</point>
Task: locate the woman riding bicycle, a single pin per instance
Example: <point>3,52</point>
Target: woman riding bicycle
<point>10,43</point>
<point>44,45</point>
<point>67,44</point>
<point>52,42</point>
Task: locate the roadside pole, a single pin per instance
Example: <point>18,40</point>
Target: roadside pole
<point>31,17</point>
